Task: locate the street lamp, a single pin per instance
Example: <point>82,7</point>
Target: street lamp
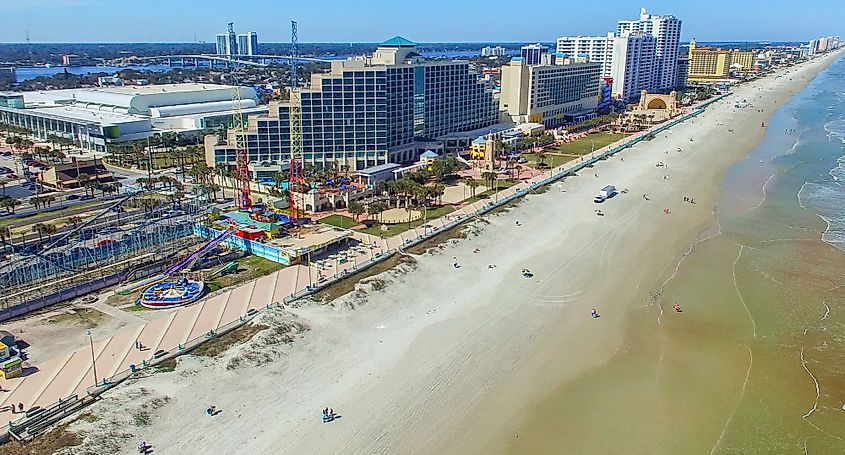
<point>93,358</point>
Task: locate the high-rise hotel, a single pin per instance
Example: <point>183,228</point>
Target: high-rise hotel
<point>641,55</point>
<point>369,111</point>
<point>666,31</point>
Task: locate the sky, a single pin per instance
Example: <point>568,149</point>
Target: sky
<point>420,20</point>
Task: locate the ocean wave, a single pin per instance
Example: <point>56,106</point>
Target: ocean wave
<point>838,173</point>
<point>836,128</point>
<point>826,201</point>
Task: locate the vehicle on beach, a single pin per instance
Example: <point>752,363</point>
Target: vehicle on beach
<point>605,193</point>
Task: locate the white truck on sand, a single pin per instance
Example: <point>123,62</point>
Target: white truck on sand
<point>605,193</point>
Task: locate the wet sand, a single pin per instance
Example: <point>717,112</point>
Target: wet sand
<point>737,370</point>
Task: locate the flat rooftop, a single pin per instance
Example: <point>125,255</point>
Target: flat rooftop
<point>499,127</point>
<point>78,114</point>
<point>313,238</point>
<point>160,88</point>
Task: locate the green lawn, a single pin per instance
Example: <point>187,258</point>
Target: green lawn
<point>339,220</point>
<point>55,214</point>
<point>550,160</point>
<point>432,213</point>
<point>592,142</point>
<point>249,268</point>
<point>500,185</point>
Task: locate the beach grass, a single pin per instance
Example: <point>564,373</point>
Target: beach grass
<point>347,285</point>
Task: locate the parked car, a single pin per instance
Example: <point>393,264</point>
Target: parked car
<point>85,197</point>
<point>73,197</point>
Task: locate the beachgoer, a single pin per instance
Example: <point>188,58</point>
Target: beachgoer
<point>20,407</point>
<point>666,211</point>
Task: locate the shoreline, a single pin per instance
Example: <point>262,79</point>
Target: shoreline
<point>715,230</point>
<point>484,339</point>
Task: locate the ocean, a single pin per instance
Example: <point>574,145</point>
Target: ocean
<point>755,363</point>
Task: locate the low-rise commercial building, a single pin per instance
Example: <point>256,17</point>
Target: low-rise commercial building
<point>65,176</point>
<point>557,92</point>
<point>97,117</point>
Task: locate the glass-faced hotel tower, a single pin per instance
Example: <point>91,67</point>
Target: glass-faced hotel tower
<point>371,110</point>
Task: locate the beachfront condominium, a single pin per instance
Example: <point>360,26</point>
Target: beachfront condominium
<point>533,53</point>
<point>710,64</point>
<point>493,51</point>
<point>633,65</point>
<point>368,111</point>
<point>667,33</point>
<point>598,49</point>
<point>248,43</point>
<point>227,43</point>
<point>560,90</point>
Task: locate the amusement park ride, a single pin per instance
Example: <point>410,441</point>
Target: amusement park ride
<point>108,249</point>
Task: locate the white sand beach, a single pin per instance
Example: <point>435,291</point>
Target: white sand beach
<point>437,359</point>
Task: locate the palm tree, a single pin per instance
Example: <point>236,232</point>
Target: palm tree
<point>356,209</point>
<point>437,191</point>
<point>3,184</point>
<point>9,203</point>
<point>214,188</point>
<point>420,193</point>
<point>488,177</point>
<point>5,234</point>
<point>279,178</point>
<point>91,186</point>
<point>40,229</point>
<point>83,179</point>
<point>541,157</point>
<point>473,184</point>
<point>372,209</point>
<point>75,220</point>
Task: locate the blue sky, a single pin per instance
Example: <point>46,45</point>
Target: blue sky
<point>418,20</point>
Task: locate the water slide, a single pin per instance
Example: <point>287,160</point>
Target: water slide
<point>189,261</point>
<point>175,268</point>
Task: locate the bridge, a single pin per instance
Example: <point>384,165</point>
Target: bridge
<point>226,60</point>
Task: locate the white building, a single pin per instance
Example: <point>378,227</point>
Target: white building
<point>96,117</point>
<point>558,91</point>
<point>248,43</point>
<point>667,33</point>
<point>598,49</point>
<point>633,68</point>
<point>493,51</point>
